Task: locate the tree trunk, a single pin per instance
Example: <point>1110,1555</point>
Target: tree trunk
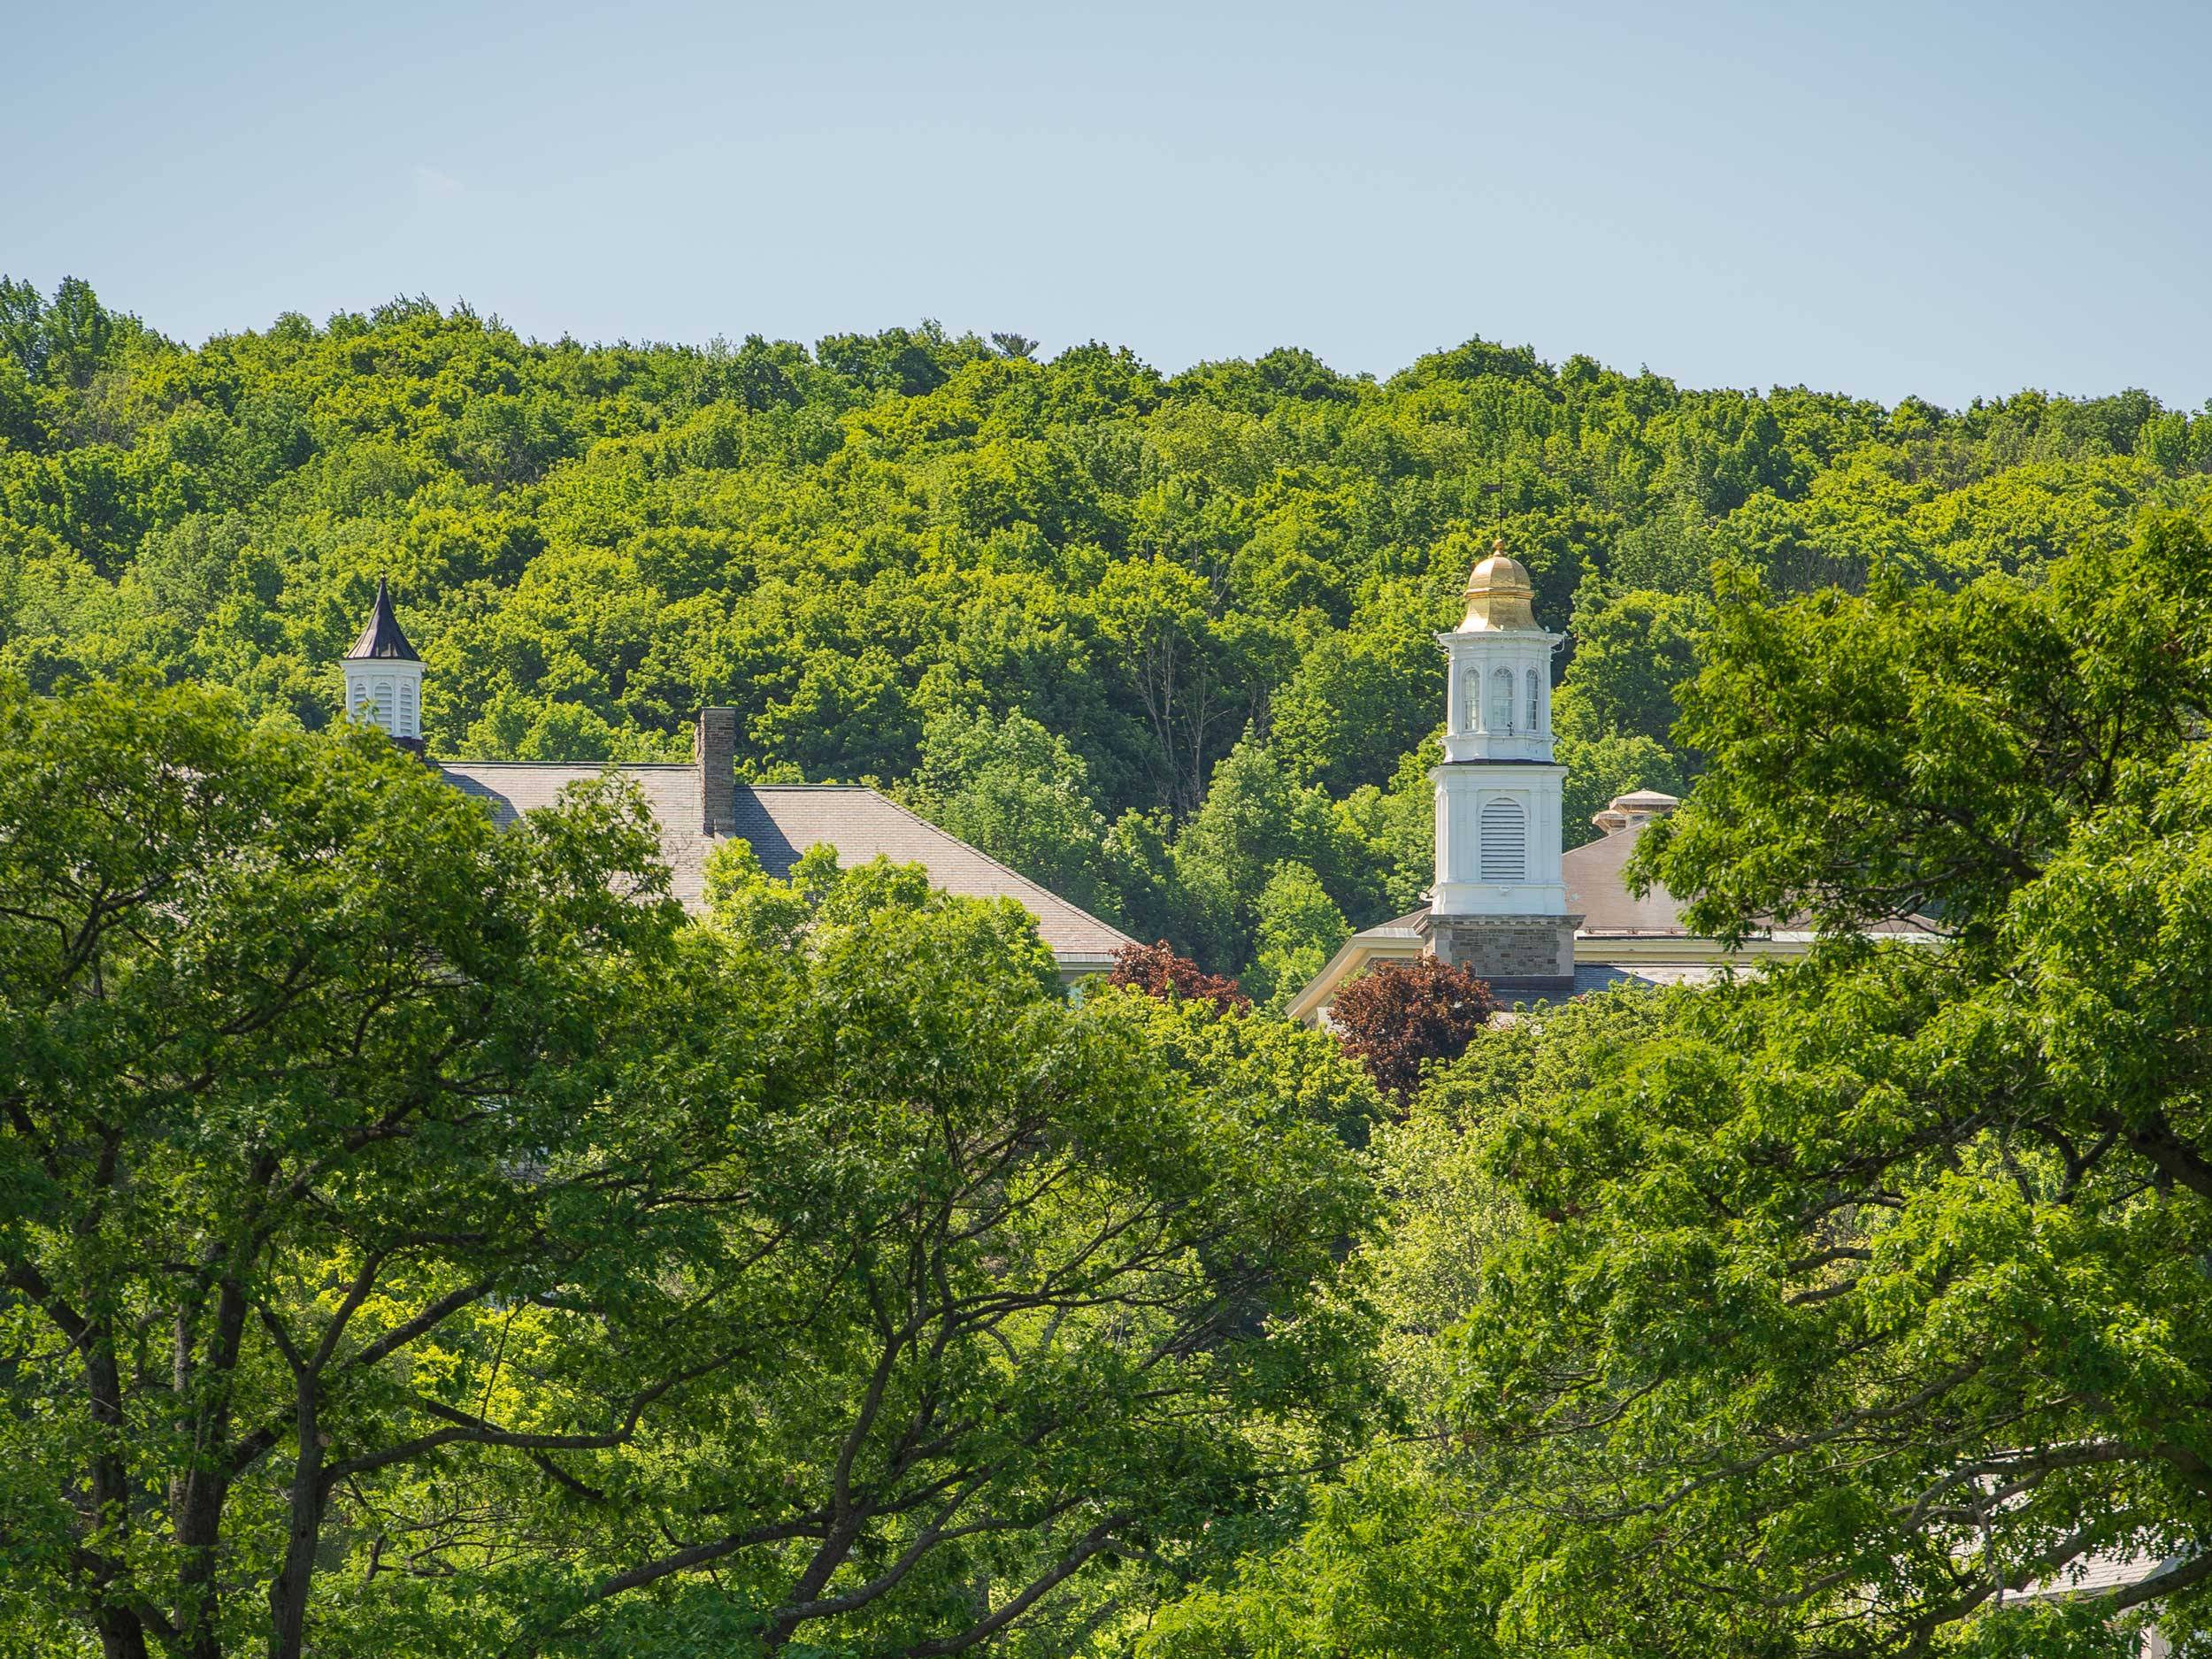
<point>287,1590</point>
<point>196,1498</point>
<point>122,1632</point>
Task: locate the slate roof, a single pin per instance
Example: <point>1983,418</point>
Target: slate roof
<point>1592,874</point>
<point>1595,892</point>
<point>1398,927</point>
<point>2102,1575</point>
<point>512,788</point>
<point>783,821</point>
<point>1622,940</point>
<point>381,637</point>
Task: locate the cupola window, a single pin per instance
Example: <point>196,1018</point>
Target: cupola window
<point>1502,701</point>
<point>1535,721</point>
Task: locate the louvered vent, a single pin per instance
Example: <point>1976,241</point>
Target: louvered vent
<point>1504,842</point>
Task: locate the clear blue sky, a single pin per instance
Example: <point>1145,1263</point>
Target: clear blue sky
<point>1946,200</point>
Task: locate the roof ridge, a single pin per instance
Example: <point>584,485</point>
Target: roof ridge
<point>555,766</point>
<point>1035,887</point>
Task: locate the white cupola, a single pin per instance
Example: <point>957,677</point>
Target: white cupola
<point>1498,830</point>
<point>384,676</point>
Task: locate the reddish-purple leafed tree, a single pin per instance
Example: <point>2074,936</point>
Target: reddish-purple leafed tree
<point>1398,1015</point>
<point>1156,971</point>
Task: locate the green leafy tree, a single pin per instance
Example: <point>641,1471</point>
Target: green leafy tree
<point>310,1083</point>
<point>1300,929</point>
<point>1020,794</point>
<point>1138,854</point>
<point>1393,832</point>
<point>22,332</point>
<point>847,541</point>
<point>1190,670</point>
<point>1870,1300</point>
<point>1253,820</point>
<point>1222,856</point>
<point>1361,699</point>
<point>1631,652</point>
<point>1412,1551</point>
<point>397,1260</point>
<point>1054,1309</point>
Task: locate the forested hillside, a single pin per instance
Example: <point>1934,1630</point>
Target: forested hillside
<point>1160,640</point>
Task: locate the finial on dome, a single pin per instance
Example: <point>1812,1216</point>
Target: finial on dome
<point>1499,595</point>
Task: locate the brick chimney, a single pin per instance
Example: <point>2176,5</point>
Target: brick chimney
<point>714,751</point>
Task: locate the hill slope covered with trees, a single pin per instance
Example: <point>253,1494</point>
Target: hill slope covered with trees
<point>1160,640</point>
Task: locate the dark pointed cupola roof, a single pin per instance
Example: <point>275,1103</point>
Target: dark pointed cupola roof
<point>383,637</point>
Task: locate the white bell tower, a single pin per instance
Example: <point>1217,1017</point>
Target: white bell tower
<point>1499,904</point>
<point>384,677</point>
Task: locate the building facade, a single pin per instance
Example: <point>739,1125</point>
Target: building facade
<point>1509,902</point>
<point>699,805</point>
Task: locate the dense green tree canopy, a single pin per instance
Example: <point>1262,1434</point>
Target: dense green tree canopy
<point>1876,1295</point>
<point>417,1238</point>
<point>1853,1309</point>
<point>853,542</point>
<point>423,1240</point>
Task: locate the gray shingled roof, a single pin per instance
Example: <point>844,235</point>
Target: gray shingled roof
<point>783,821</point>
<point>2096,1574</point>
<point>1589,976</point>
<point>1596,894</point>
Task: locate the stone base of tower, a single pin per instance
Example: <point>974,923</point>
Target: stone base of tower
<point>1524,957</point>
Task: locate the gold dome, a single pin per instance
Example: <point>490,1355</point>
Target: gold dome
<point>1499,595</point>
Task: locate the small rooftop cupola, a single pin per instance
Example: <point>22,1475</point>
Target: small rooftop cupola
<point>1634,810</point>
<point>1499,904</point>
<point>384,676</point>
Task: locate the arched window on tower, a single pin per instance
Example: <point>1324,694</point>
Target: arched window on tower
<point>1470,701</point>
<point>1535,721</point>
<point>1502,701</point>
<point>1504,842</point>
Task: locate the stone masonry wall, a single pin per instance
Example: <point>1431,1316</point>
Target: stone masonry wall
<point>1509,949</point>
